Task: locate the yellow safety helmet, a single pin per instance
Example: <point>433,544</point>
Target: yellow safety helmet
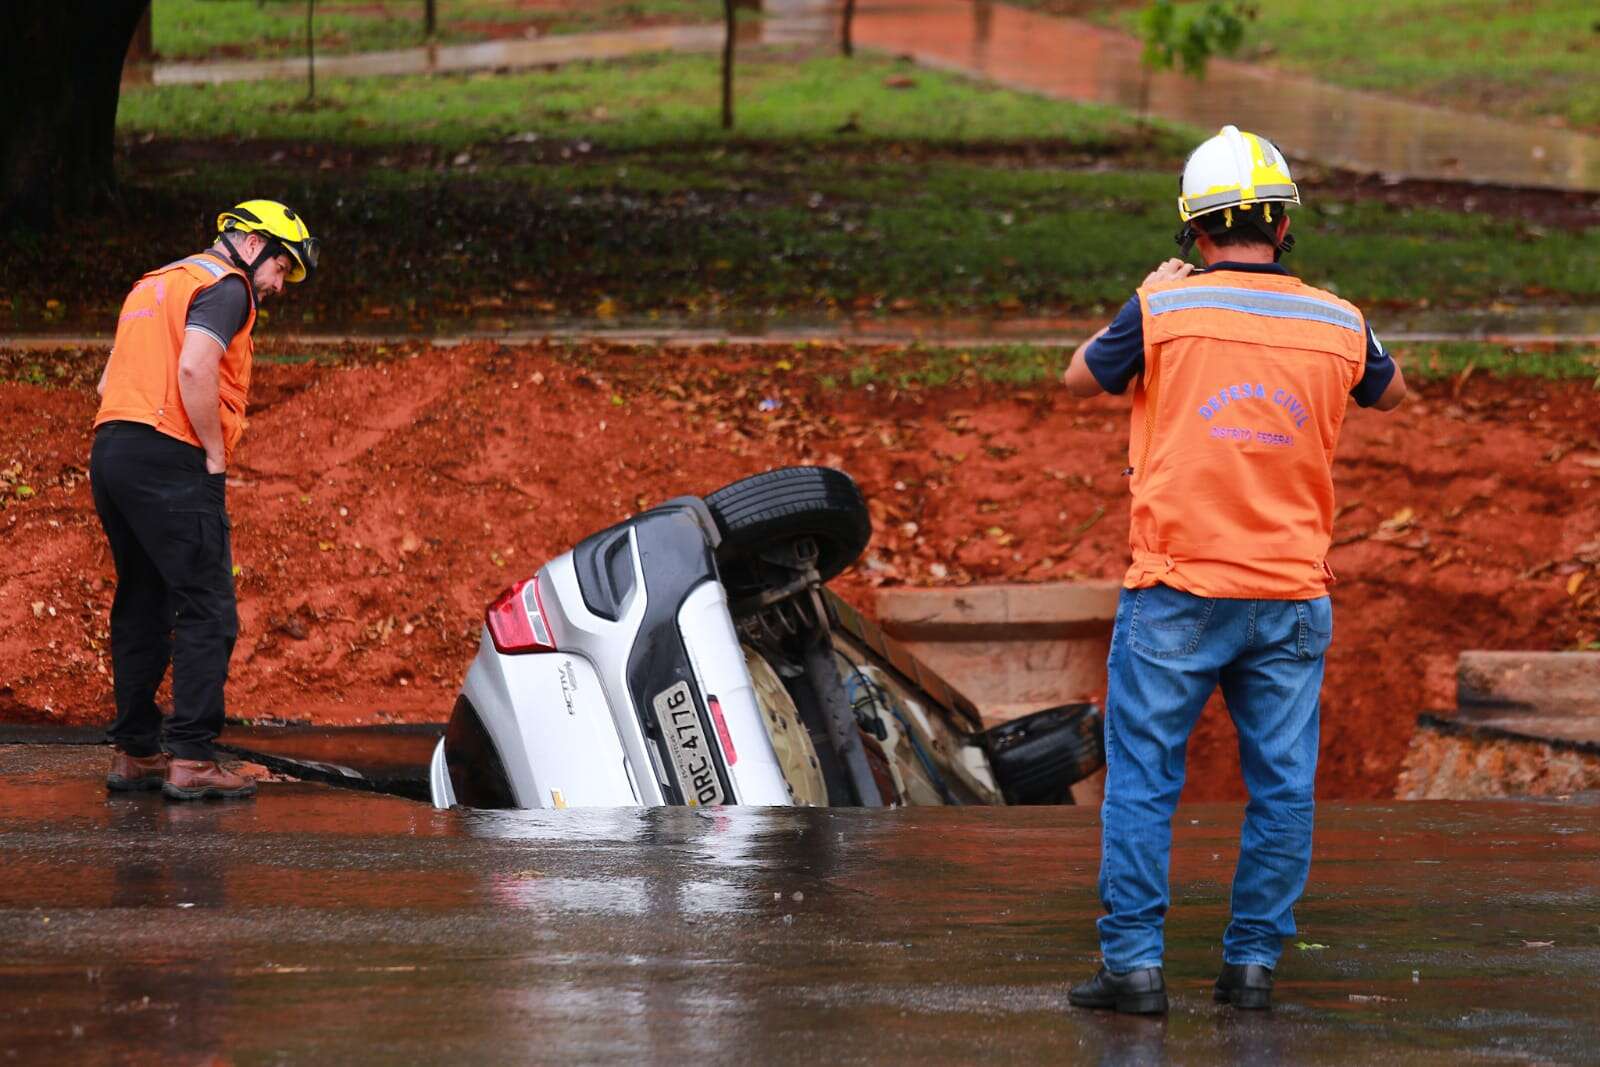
<point>1235,172</point>
<point>285,233</point>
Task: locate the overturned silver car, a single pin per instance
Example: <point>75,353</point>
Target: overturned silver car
<point>692,655</point>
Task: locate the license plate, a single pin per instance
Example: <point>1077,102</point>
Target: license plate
<point>690,747</point>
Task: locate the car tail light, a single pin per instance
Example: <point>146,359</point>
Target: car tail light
<point>723,735</point>
<point>516,620</point>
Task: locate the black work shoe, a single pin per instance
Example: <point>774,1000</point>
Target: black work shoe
<point>1141,992</point>
<point>1244,985</point>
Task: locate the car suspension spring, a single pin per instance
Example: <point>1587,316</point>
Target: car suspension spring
<point>776,622</point>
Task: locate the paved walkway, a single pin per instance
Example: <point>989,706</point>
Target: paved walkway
<point>937,334</point>
<point>316,925</point>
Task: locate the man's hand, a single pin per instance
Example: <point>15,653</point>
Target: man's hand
<point>1170,271</point>
<point>215,464</point>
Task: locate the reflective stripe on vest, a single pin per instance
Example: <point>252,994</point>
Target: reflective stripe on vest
<point>1273,305</point>
<point>217,269</point>
<point>1235,418</point>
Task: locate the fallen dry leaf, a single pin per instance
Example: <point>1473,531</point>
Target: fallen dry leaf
<point>1399,520</point>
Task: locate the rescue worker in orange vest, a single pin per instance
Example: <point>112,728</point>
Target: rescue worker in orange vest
<point>1241,377</point>
<point>172,410</point>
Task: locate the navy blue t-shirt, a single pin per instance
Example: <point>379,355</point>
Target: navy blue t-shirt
<point>1118,356</point>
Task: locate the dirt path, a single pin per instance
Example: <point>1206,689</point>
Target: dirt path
<point>379,504</point>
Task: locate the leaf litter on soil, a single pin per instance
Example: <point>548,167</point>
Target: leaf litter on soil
<point>384,494</point>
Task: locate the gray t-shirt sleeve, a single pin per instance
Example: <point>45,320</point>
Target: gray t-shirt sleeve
<point>220,310</point>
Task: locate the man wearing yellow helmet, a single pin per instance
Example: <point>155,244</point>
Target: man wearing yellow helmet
<point>1242,375</point>
<point>173,397</point>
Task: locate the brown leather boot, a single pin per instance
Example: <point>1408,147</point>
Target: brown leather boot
<point>192,779</point>
<point>130,773</point>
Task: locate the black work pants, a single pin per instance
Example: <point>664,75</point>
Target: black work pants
<point>167,522</point>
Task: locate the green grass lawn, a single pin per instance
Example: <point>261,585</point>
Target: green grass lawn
<point>757,231</point>
<point>630,103</point>
<point>609,191</point>
<point>219,29</point>
<point>1535,59</point>
<point>913,366</point>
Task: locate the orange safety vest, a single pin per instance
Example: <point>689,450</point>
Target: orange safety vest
<point>1235,417</point>
<point>142,374</point>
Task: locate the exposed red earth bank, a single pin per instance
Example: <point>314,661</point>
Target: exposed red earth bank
<point>378,503</point>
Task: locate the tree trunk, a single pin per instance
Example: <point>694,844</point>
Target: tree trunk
<point>430,18</point>
<point>847,44</point>
<point>311,50</point>
<point>142,49</point>
<point>60,76</point>
<point>729,23</point>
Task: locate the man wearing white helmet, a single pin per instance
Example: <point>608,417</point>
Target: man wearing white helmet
<point>1242,375</point>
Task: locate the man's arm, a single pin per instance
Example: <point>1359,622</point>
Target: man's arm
<point>1381,385</point>
<point>1114,356</point>
<point>1393,393</point>
<point>198,369</point>
<point>1079,379</point>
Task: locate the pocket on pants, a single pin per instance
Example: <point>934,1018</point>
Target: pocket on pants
<point>1316,627</point>
<point>200,540</point>
<point>1167,622</point>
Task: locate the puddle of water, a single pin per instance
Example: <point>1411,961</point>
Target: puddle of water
<point>326,926</point>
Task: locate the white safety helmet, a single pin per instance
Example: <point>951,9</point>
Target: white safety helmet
<point>1234,172</point>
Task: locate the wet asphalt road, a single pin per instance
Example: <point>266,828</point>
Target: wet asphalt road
<point>324,925</point>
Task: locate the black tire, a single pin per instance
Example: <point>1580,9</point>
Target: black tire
<point>1037,758</point>
<point>766,512</point>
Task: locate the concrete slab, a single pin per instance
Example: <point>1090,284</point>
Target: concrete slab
<point>317,925</point>
<point>1545,696</point>
<point>1532,679</point>
<point>1524,723</point>
<point>1010,649</point>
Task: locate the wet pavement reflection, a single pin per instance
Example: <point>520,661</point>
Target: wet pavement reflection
<point>321,925</point>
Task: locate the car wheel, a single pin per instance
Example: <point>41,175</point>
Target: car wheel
<point>791,744</point>
<point>764,516</point>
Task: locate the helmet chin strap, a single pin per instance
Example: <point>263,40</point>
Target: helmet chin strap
<point>1186,237</point>
<point>268,250</point>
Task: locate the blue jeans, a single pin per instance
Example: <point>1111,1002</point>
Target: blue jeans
<point>1169,652</point>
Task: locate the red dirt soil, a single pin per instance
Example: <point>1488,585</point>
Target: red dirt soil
<point>379,503</point>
